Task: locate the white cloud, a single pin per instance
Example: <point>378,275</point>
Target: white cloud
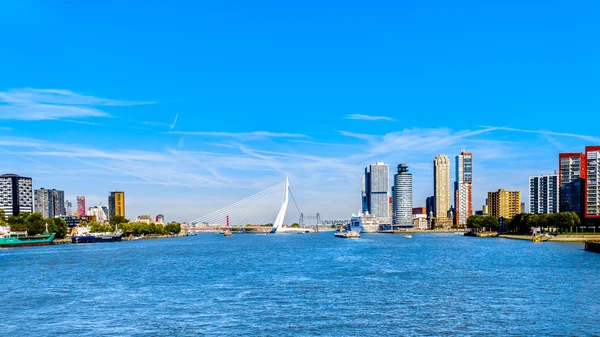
<point>52,104</point>
<point>368,117</point>
<point>240,135</point>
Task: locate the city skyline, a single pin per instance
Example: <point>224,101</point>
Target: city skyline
<point>315,98</point>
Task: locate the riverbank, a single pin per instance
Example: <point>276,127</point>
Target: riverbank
<point>67,240</point>
<point>556,238</point>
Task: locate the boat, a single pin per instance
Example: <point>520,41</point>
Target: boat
<point>364,223</point>
<point>10,239</point>
<point>347,234</point>
<point>227,233</point>
<point>83,234</point>
<point>408,236</point>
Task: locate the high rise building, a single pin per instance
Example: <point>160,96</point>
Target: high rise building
<point>44,202</point>
<point>543,194</point>
<point>81,210</point>
<point>98,212</point>
<point>463,202</point>
<point>592,188</point>
<point>402,197</point>
<point>16,194</point>
<point>441,186</point>
<point>504,203</point>
<point>484,210</point>
<point>363,195</point>
<point>68,208</point>
<point>572,176</point>
<point>59,203</point>
<point>116,204</point>
<point>377,181</point>
<point>430,205</point>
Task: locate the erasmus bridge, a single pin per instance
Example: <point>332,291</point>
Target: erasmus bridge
<point>264,211</point>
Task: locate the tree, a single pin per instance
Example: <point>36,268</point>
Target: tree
<point>57,226</point>
<point>475,221</point>
<point>491,222</point>
<point>96,227</point>
<point>295,225</point>
<point>116,220</point>
<point>35,224</point>
<point>173,227</point>
<point>2,217</point>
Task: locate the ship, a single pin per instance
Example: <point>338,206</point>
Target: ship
<point>10,239</point>
<point>364,223</point>
<point>83,234</point>
<point>346,234</point>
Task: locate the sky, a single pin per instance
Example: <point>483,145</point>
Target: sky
<point>188,106</point>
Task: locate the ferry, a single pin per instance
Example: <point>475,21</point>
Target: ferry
<point>346,234</point>
<point>10,239</point>
<point>364,223</point>
<point>83,234</point>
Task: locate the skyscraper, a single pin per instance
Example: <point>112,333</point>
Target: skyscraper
<point>68,208</point>
<point>16,194</point>
<point>116,204</point>
<point>44,202</point>
<point>377,181</point>
<point>543,194</point>
<point>402,197</point>
<point>504,203</point>
<point>592,188</point>
<point>441,186</point>
<point>59,203</point>
<point>463,202</point>
<point>572,176</point>
<point>81,210</point>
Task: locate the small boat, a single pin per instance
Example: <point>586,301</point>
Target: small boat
<point>227,233</point>
<point>10,240</point>
<point>408,236</point>
<point>347,234</point>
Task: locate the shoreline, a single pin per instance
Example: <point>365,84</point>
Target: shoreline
<point>67,241</point>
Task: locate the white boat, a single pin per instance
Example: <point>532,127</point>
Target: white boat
<point>347,234</point>
<point>408,236</point>
<point>364,223</point>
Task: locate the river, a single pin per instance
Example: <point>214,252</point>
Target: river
<point>302,285</point>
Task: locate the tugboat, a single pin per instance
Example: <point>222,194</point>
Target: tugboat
<point>83,235</point>
<point>10,239</point>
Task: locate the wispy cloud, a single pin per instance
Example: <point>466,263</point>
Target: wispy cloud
<point>53,104</point>
<point>240,135</point>
<point>172,126</point>
<point>368,117</point>
<point>548,133</point>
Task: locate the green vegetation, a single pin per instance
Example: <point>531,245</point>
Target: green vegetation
<point>116,220</point>
<point>140,228</point>
<point>483,223</point>
<point>295,225</point>
<point>556,223</point>
<point>522,222</point>
<point>35,223</point>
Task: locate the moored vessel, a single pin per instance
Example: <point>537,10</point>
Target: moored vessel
<point>364,223</point>
<point>84,235</point>
<point>10,240</point>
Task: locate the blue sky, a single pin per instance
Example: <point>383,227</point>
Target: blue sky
<point>189,106</point>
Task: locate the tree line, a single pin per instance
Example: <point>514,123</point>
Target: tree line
<point>34,224</point>
<point>523,222</point>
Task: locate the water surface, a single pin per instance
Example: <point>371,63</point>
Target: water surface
<point>304,285</point>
